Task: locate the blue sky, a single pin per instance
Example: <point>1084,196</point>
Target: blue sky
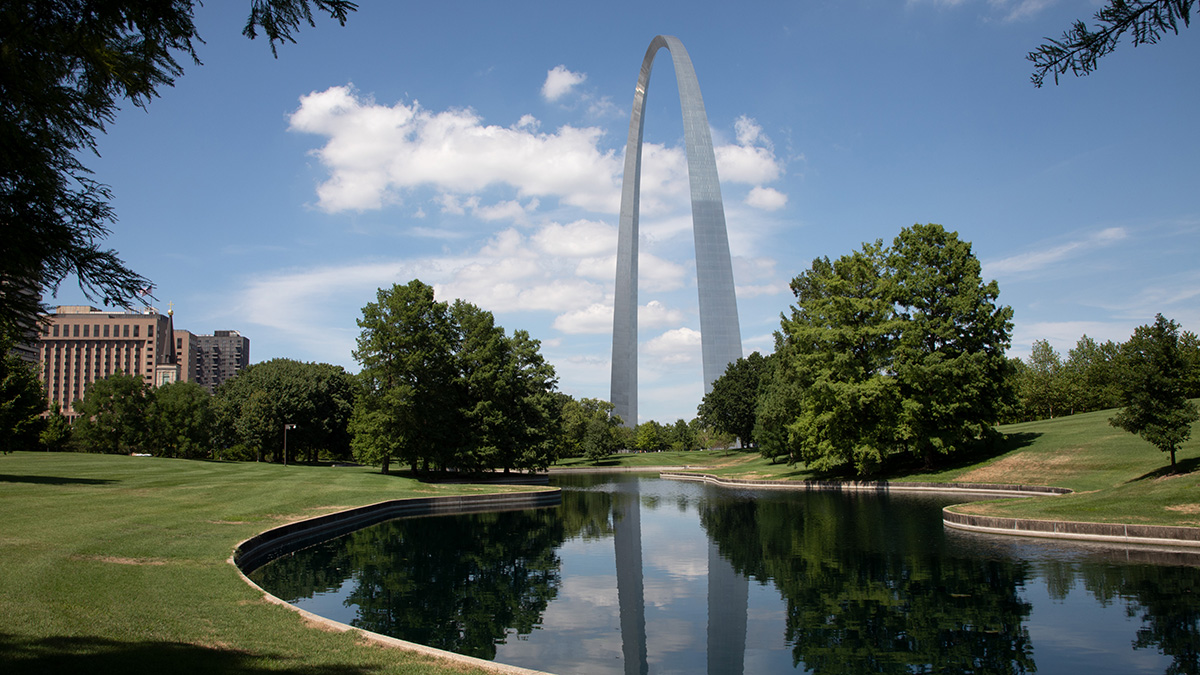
<point>478,146</point>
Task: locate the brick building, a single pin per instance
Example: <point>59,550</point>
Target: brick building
<point>81,344</point>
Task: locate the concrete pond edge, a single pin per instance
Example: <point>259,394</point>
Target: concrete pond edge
<point>265,546</point>
<point>1110,533</point>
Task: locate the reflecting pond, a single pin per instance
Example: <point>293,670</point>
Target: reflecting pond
<point>633,574</point>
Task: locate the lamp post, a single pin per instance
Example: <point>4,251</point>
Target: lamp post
<point>285,430</point>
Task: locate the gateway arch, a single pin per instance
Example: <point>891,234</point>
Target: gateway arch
<point>720,335</point>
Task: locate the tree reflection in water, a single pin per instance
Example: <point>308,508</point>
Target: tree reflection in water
<point>866,583</point>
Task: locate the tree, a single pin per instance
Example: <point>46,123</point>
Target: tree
<point>896,350</point>
<point>834,392</point>
<point>1095,368</point>
<point>406,349</point>
<point>589,428</point>
<point>113,414</point>
<point>180,420</point>
<point>1156,406</point>
<point>253,408</point>
<point>680,436</point>
<point>22,401</point>
<point>650,437</point>
<point>57,433</point>
<point>949,358</point>
<point>729,407</point>
<point>1080,48</point>
<point>444,387</point>
<point>65,68</point>
<point>1042,385</point>
<point>506,388</point>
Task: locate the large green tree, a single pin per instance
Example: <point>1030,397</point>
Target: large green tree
<point>950,354</point>
<point>113,415</point>
<point>1043,387</point>
<point>252,409</point>
<point>444,387</point>
<point>511,415</point>
<point>22,401</point>
<point>589,428</point>
<point>180,421</point>
<point>1156,404</point>
<point>837,345</point>
<point>65,68</point>
<point>408,408</point>
<point>888,350</point>
<point>1080,48</point>
<point>729,407</point>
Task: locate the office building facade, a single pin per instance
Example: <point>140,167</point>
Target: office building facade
<point>209,360</point>
<point>82,344</point>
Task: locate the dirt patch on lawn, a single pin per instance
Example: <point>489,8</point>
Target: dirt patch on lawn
<point>117,560</point>
<point>1026,469</point>
<point>1190,509</point>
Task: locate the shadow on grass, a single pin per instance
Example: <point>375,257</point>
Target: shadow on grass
<point>1182,467</point>
<point>95,655</point>
<point>909,465</point>
<point>54,480</point>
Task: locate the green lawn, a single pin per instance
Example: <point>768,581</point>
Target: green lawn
<point>116,564</point>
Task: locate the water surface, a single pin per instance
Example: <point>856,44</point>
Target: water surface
<point>639,575</point>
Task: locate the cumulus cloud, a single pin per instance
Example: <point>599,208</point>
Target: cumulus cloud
<point>767,199</point>
<point>680,345</point>
<point>374,152</point>
<point>560,81</point>
<point>581,238</point>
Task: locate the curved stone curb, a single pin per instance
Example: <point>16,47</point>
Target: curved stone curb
<point>998,489</point>
<point>1064,529</point>
<point>266,546</point>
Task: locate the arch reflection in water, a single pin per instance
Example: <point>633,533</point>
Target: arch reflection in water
<point>842,584</point>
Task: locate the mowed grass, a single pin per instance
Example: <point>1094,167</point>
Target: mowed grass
<point>113,564</point>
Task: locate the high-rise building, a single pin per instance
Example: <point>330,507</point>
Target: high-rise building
<point>209,360</point>
<point>81,344</point>
<point>720,334</point>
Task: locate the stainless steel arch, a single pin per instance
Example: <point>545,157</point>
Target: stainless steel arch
<point>720,335</point>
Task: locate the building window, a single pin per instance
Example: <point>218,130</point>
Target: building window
<point>126,331</point>
<point>105,330</point>
<point>85,330</point>
<point>55,330</point>
<point>135,330</point>
<point>150,331</point>
<point>76,331</point>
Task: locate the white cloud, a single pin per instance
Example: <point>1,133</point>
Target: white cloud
<point>679,345</point>
<point>748,130</point>
<point>560,81</point>
<point>578,239</point>
<point>374,152</point>
<point>595,318</point>
<point>747,164</point>
<point>767,199</point>
<point>1044,257</point>
<point>654,314</point>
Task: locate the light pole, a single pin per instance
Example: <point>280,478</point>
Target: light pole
<point>285,430</point>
